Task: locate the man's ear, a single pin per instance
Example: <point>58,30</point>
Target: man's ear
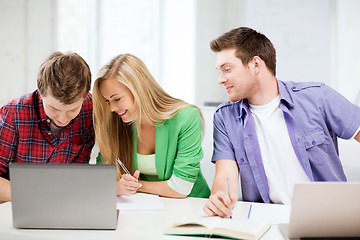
<point>256,64</point>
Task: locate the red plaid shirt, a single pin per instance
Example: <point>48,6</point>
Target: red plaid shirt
<point>25,134</point>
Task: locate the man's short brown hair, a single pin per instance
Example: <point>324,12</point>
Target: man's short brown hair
<point>248,43</point>
<point>66,77</point>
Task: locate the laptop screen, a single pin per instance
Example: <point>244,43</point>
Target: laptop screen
<point>325,209</point>
<point>63,196</point>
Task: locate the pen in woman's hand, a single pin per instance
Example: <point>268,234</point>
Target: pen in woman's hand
<point>123,166</point>
<point>127,171</point>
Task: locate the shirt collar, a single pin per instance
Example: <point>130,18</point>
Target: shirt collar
<point>39,106</point>
<point>284,92</point>
<point>241,108</point>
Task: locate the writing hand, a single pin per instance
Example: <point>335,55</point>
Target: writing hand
<point>219,204</point>
<point>128,185</point>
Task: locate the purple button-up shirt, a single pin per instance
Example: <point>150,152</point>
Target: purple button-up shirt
<point>315,116</point>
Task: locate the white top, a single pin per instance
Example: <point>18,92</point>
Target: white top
<point>147,166</point>
<point>281,165</point>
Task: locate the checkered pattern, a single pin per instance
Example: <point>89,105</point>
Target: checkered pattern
<point>25,134</point>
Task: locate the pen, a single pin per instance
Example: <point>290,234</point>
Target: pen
<point>122,166</point>
<point>228,189</point>
<point>227,185</point>
<point>250,210</point>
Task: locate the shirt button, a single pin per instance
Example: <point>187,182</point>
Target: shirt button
<point>293,88</point>
<point>48,120</point>
<point>313,142</point>
<point>241,160</point>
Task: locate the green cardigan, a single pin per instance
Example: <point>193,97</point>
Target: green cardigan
<point>178,150</point>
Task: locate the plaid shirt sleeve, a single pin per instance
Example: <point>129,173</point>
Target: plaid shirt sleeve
<point>8,141</point>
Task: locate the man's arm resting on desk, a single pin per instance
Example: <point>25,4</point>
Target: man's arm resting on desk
<point>5,194</point>
<point>220,203</point>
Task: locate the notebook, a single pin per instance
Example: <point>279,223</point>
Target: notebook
<point>236,228</point>
<point>63,196</point>
<point>324,209</point>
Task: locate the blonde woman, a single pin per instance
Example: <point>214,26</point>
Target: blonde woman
<point>156,136</point>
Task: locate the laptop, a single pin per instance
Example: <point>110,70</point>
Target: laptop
<point>324,210</point>
<point>63,196</point>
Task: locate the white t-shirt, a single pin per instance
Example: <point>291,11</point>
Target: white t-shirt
<point>281,165</point>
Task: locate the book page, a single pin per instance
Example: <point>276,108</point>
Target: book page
<point>241,225</point>
<point>239,228</point>
<point>140,202</point>
<point>208,222</point>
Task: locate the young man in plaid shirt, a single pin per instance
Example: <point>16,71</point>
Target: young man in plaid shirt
<point>51,125</point>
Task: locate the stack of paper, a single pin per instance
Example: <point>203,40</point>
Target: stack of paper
<point>140,202</point>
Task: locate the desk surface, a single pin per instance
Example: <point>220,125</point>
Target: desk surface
<point>148,224</point>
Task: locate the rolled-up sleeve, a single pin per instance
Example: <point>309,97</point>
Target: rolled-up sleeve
<point>189,150</point>
<point>179,185</point>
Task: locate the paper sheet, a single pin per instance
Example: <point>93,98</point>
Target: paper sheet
<point>270,213</point>
<point>140,202</point>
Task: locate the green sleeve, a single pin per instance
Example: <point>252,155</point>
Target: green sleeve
<point>190,153</point>
<point>189,150</point>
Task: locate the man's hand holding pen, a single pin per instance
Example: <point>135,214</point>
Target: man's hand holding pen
<point>220,204</point>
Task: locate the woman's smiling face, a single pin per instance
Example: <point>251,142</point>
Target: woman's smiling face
<point>119,98</point>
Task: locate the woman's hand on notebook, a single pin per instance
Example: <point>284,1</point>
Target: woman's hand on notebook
<point>128,185</point>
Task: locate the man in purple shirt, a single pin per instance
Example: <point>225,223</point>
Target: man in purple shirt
<point>272,134</point>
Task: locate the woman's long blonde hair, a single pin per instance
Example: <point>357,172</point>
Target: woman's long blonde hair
<point>113,136</point>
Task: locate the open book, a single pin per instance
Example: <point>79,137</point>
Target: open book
<point>237,228</point>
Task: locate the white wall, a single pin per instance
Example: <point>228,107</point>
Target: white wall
<point>177,50</point>
<point>24,44</point>
<point>301,32</point>
<point>213,18</point>
<point>349,152</point>
<point>347,37</point>
<point>315,40</point>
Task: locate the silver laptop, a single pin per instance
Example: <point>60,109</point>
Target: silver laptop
<point>63,196</point>
<point>324,209</point>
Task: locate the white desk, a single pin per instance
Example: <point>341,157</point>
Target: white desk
<point>146,224</point>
